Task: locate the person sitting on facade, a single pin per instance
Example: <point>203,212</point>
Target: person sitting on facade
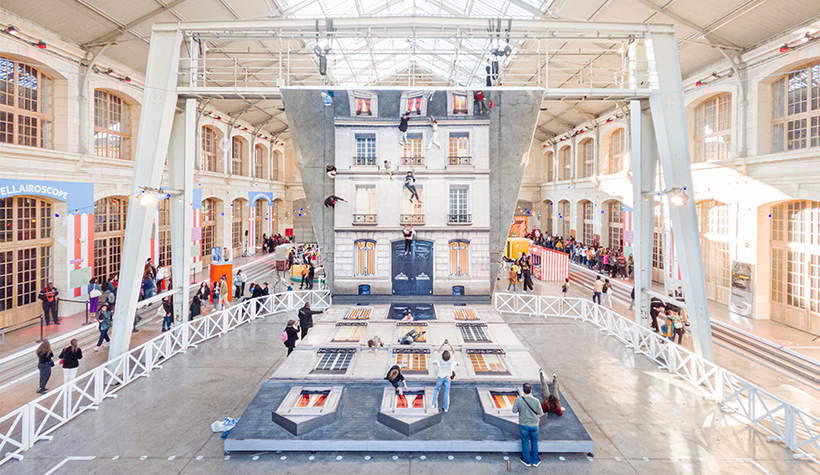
<point>374,344</point>
<point>552,403</point>
<point>330,170</point>
<point>411,337</point>
<point>395,377</point>
<point>409,181</point>
<point>407,316</point>
<point>433,133</point>
<point>330,201</point>
<point>405,119</point>
<point>389,168</point>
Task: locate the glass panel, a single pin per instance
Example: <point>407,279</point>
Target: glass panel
<point>26,276</point>
<point>6,280</point>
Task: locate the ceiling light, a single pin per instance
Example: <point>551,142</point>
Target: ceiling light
<point>127,79</point>
<point>806,37</point>
<point>111,72</point>
<point>146,198</point>
<point>698,83</point>
<point>42,44</point>
<point>713,76</point>
<point>678,199</point>
<point>784,48</point>
<point>11,30</point>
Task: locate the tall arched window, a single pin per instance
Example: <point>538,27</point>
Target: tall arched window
<point>208,227</point>
<point>164,232</point>
<point>109,231</point>
<point>26,113</point>
<point>549,167</point>
<point>615,224</point>
<point>365,257</point>
<point>209,149</point>
<point>274,169</point>
<point>713,128</point>
<point>586,157</point>
<point>237,238</point>
<point>796,110</point>
<point>616,151</point>
<point>237,157</point>
<point>26,256</point>
<point>795,253</point>
<point>548,216</point>
<point>713,224</point>
<point>459,257</point>
<point>564,216</point>
<point>259,162</point>
<point>564,163</point>
<point>587,220</point>
<point>112,126</point>
<point>260,225</point>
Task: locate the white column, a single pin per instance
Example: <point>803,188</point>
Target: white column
<point>644,164</point>
<point>669,119</point>
<point>156,120</point>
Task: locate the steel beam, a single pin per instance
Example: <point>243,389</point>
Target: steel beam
<point>644,168</point>
<point>156,121</point>
<point>669,120</point>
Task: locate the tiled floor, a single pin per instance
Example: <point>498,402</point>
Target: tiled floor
<point>642,421</point>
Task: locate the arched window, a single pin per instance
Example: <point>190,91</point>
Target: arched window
<point>209,149</point>
<point>615,152</point>
<point>564,164</point>
<point>657,243</point>
<point>796,110</point>
<point>112,126</point>
<point>564,216</point>
<point>586,157</point>
<point>365,257</point>
<point>164,233</point>
<point>548,216</point>
<point>795,253</point>
<point>208,227</point>
<point>615,222</point>
<point>713,128</point>
<point>237,157</point>
<point>26,256</point>
<point>549,167</point>
<point>459,257</point>
<point>274,169</point>
<point>26,113</point>
<point>259,162</point>
<point>260,225</point>
<point>237,212</point>
<point>588,220</point>
<point>713,224</point>
<point>109,231</point>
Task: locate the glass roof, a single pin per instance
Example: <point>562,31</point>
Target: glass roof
<point>356,62</point>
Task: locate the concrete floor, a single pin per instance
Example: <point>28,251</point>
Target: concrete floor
<point>642,421</point>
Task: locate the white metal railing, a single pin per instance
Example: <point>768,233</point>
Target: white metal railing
<point>35,421</point>
<point>798,430</point>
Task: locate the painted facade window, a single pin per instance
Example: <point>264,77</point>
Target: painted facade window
<point>363,107</point>
<point>459,257</point>
<point>459,209</point>
<point>365,149</point>
<point>459,103</point>
<point>365,257</point>
<point>459,148</point>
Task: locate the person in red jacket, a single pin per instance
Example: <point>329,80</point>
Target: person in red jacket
<point>552,403</point>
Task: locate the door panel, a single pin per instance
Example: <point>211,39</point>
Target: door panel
<point>412,273</point>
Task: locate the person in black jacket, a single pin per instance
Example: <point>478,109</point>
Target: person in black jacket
<point>310,275</point>
<point>395,377</point>
<point>292,331</point>
<point>70,358</point>
<point>330,201</point>
<point>196,307</point>
<point>306,318</point>
<point>168,307</point>
<point>44,364</point>
<point>265,289</point>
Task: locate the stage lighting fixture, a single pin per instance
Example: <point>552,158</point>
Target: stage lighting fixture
<point>42,44</point>
<point>11,30</point>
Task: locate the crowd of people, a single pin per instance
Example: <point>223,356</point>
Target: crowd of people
<point>609,261</point>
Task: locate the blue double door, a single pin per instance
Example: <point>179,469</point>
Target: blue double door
<point>413,271</point>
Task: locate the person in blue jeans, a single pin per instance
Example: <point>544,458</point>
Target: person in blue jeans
<point>409,183</point>
<point>445,363</point>
<point>168,308</point>
<point>529,413</point>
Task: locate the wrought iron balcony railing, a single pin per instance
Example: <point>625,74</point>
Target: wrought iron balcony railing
<point>364,160</point>
<point>459,218</point>
<point>461,160</point>
<point>364,219</point>
<point>412,218</point>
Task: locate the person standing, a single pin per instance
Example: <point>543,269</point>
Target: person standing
<point>226,255</point>
<point>215,294</point>
<point>433,134</point>
<point>409,181</point>
<point>70,358</point>
<point>94,292</point>
<point>632,299</point>
<point>513,277</point>
<point>445,363</point>
<point>204,292</point>
<point>195,308</point>
<point>527,276</point>
<point>606,293</point>
<point>239,285</point>
<point>408,233</point>
<point>168,307</point>
<point>564,292</point>
<point>104,320</point>
<point>310,275</point>
<point>621,265</point>
<point>597,289</point>
<point>49,297</point>
<point>44,364</point>
<point>223,293</point>
<point>529,412</point>
<point>405,119</point>
<point>306,318</point>
<point>292,333</point>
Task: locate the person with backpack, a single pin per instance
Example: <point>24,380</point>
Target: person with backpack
<point>289,335</point>
<point>529,412</point>
<point>168,308</point>
<point>70,359</point>
<point>606,293</point>
<point>104,319</point>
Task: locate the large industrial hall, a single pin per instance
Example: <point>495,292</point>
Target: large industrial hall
<point>409,236</point>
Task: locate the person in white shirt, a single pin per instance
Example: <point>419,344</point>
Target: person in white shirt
<point>433,134</point>
<point>445,363</point>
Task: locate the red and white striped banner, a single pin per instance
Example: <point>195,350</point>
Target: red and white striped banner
<point>549,264</point>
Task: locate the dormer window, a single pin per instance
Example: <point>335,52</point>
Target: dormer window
<point>363,103</point>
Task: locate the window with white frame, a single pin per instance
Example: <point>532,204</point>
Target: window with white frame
<point>586,158</point>
<point>796,110</point>
<point>564,163</point>
<point>349,332</point>
<point>458,209</point>
<point>460,103</point>
<point>459,148</point>
<point>459,257</point>
<point>334,360</point>
<point>795,254</point>
<point>616,225</point>
<point>365,203</point>
<point>365,149</point>
<point>489,361</point>
<point>237,156</point>
<point>616,150</point>
<point>549,167</point>
<point>473,332</point>
<point>412,360</point>
<point>588,220</point>
<point>209,144</point>
<point>713,128</point>
<point>26,112</point>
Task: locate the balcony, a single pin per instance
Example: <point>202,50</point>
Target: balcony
<point>461,160</point>
<point>411,218</point>
<point>364,219</point>
<point>412,161</point>
<point>364,160</point>
<point>460,111</point>
<point>459,219</point>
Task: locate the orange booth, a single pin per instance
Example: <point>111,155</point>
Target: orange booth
<point>217,271</point>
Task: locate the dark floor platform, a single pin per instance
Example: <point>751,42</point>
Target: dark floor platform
<point>419,311</point>
<point>353,299</point>
<point>356,427</point>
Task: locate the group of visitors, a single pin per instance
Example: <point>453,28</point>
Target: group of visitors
<point>530,410</point>
<point>69,359</point>
<point>520,269</point>
<point>269,243</point>
<point>291,332</point>
<point>609,261</point>
<point>675,320</point>
<point>602,292</point>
